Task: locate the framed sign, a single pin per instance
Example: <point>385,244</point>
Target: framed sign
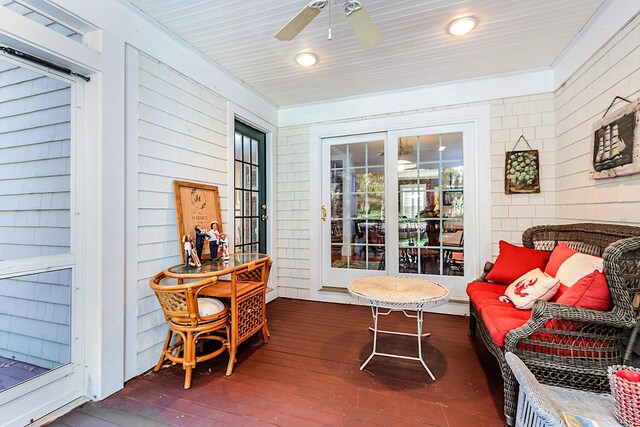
<point>615,150</point>
<point>196,205</point>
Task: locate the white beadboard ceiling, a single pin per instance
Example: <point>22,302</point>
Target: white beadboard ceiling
<point>511,36</point>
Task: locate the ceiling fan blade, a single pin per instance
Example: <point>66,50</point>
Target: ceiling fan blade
<point>301,20</point>
<point>364,27</point>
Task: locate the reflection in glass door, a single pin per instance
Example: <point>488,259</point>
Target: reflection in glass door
<point>355,203</point>
<point>40,251</point>
<point>431,204</point>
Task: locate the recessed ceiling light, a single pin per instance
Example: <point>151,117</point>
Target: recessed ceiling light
<point>462,26</point>
<point>404,165</point>
<point>306,59</point>
<point>442,148</point>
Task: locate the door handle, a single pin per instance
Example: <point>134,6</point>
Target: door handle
<point>324,212</point>
<point>265,217</point>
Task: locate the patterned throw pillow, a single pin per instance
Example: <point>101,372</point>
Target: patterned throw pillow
<point>531,287</point>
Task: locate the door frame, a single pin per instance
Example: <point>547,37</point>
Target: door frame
<point>251,132</point>
<point>236,112</point>
<point>477,116</point>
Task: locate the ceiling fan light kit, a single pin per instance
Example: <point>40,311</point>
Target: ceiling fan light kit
<point>462,26</point>
<point>306,59</point>
<point>362,24</point>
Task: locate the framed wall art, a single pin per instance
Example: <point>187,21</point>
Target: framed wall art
<point>522,170</point>
<point>615,148</point>
<point>196,205</point>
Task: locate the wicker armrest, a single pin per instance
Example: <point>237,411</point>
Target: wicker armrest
<point>534,392</point>
<point>547,310</point>
<point>544,311</point>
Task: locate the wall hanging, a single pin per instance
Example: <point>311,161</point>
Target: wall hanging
<point>522,170</point>
<point>615,149</point>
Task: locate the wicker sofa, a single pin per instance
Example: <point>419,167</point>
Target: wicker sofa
<point>565,345</point>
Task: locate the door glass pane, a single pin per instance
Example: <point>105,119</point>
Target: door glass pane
<point>35,331</point>
<point>254,151</point>
<point>357,191</point>
<point>35,164</point>
<point>431,204</point>
<point>238,146</point>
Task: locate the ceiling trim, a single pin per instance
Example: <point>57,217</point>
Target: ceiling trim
<point>461,92</point>
<point>138,30</point>
<point>610,18</point>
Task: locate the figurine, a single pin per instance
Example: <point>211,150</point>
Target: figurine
<point>194,255</point>
<point>201,233</point>
<point>214,236</point>
<point>186,244</point>
<point>224,246</point>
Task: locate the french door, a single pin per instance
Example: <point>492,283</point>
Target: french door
<point>394,204</point>
<point>250,190</point>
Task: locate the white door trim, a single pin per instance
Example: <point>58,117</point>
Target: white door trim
<point>479,116</point>
<point>237,112</point>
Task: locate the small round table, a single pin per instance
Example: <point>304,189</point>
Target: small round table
<point>398,294</point>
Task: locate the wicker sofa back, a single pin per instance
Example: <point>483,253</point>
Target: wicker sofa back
<point>565,345</point>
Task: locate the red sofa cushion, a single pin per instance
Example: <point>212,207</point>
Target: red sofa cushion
<point>514,261</point>
<point>483,294</point>
<point>500,319</point>
<point>548,342</point>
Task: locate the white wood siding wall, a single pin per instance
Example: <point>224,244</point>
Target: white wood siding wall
<point>182,135</point>
<point>34,213</point>
<point>35,318</point>
<point>613,70</point>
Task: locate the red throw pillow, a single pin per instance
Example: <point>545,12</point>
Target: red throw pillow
<point>591,292</point>
<point>514,261</point>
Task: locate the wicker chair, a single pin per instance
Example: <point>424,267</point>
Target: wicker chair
<point>570,346</point>
<point>246,294</point>
<point>193,319</point>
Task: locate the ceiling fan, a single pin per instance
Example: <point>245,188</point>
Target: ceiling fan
<point>362,24</point>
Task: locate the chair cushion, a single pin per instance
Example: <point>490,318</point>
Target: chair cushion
<point>209,306</point>
<point>483,294</point>
<point>569,265</point>
<point>514,261</point>
<point>531,287</point>
<point>591,291</point>
<point>502,318</point>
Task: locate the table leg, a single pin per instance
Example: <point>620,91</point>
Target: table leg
<point>374,312</point>
<point>419,317</point>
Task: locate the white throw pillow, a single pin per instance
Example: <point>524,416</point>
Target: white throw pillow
<point>570,266</point>
<point>531,287</point>
<point>576,267</point>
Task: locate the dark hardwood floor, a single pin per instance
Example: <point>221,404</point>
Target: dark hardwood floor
<point>308,375</point>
